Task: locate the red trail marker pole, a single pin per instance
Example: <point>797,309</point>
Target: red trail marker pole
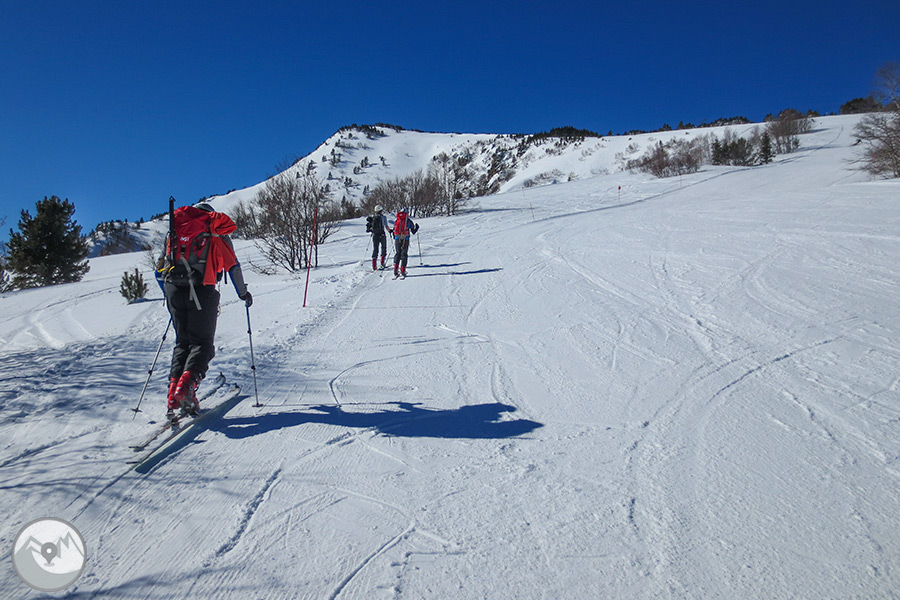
<point>312,242</point>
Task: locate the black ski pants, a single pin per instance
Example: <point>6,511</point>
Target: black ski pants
<point>379,240</point>
<point>402,251</point>
<point>195,330</point>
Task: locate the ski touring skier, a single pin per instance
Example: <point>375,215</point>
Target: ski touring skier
<point>377,225</point>
<point>189,272</point>
<point>401,230</point>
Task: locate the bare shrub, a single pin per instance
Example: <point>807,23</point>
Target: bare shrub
<point>280,218</point>
<point>880,133</point>
<point>786,128</point>
<point>677,157</point>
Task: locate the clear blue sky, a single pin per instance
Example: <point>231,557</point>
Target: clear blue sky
<point>116,105</point>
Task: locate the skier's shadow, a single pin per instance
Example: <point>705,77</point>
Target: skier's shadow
<point>474,272</point>
<point>480,421</point>
<point>444,265</point>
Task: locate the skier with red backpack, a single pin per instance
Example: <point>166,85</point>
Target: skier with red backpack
<point>189,273</point>
<point>402,228</point>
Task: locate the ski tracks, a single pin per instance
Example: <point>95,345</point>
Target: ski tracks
<point>244,521</point>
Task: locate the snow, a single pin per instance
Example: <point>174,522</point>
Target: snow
<point>686,389</point>
<point>405,152</point>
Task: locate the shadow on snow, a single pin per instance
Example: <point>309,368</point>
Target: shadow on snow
<point>476,272</point>
<point>480,421</point>
<point>207,421</point>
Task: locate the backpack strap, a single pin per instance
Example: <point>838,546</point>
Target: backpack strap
<point>202,261</point>
<point>194,297</point>
<point>208,234</point>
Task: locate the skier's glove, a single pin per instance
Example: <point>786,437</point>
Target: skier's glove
<point>247,298</point>
<point>415,228</point>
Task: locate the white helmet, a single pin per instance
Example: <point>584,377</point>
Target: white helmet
<point>379,209</point>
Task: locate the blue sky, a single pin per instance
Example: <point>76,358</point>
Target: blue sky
<point>118,105</point>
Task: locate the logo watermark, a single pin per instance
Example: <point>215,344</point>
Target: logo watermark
<point>49,554</point>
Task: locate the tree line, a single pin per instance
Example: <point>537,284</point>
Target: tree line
<point>781,135</point>
<point>878,134</point>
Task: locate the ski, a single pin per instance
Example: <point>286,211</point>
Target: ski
<point>215,386</point>
<point>182,425</point>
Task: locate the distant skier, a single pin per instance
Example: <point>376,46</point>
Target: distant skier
<point>403,227</point>
<point>190,272</point>
<point>377,225</point>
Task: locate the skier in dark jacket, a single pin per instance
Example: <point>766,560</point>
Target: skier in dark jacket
<point>378,225</point>
<point>204,253</point>
<point>403,227</point>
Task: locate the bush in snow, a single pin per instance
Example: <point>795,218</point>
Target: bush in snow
<point>280,219</point>
<point>881,134</point>
<point>785,129</point>
<point>881,131</point>
<point>677,157</point>
<point>734,150</point>
<point>133,287</point>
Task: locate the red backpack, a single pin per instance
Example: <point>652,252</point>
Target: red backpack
<point>199,254</point>
<point>192,230</point>
<point>401,225</point>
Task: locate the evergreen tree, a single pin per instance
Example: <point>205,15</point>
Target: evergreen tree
<point>861,105</point>
<point>5,277</point>
<point>740,153</point>
<point>765,149</point>
<point>718,153</point>
<point>133,287</point>
<point>48,248</point>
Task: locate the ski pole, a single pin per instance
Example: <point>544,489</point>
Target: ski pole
<point>137,408</point>
<point>252,360</point>
<point>419,242</point>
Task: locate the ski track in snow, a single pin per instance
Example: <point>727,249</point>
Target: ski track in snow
<point>248,514</point>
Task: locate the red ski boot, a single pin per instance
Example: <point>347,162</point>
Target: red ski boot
<point>173,385</point>
<point>172,404</point>
<point>186,393</point>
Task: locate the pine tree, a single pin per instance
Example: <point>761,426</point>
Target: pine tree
<point>5,276</point>
<point>49,247</point>
<point>133,287</point>
<point>765,149</point>
<point>718,152</point>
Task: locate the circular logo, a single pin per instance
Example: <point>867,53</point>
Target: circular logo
<point>48,554</point>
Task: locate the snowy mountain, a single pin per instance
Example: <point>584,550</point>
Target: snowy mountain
<point>121,237</point>
<point>359,158</point>
<point>612,387</point>
<point>356,159</point>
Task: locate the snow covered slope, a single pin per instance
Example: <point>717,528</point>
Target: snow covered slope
<point>356,159</point>
<point>686,389</point>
